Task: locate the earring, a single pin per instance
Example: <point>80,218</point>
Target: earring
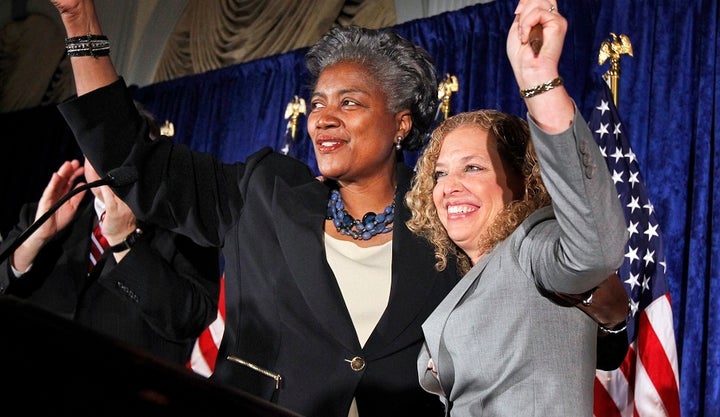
<point>398,144</point>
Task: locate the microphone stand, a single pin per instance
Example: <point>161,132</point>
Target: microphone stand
<point>117,177</point>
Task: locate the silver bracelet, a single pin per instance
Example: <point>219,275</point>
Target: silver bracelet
<point>546,86</point>
<point>87,45</point>
<point>614,330</point>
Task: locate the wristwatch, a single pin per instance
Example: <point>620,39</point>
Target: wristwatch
<point>129,242</point>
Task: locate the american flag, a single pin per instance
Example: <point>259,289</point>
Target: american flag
<point>205,351</point>
<point>647,382</point>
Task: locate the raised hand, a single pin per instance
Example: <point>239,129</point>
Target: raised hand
<point>529,69</point>
<point>61,182</point>
<point>80,19</point>
<point>119,219</point>
<point>73,11</point>
<point>552,110</point>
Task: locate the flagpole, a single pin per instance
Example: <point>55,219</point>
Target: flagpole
<point>613,49</point>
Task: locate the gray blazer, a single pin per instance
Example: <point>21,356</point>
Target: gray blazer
<point>500,347</point>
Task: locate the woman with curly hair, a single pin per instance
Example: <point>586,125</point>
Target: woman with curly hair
<point>517,155</point>
<point>529,209</point>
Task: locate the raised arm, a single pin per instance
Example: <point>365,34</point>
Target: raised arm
<point>592,232</point>
<point>80,20</point>
<point>547,101</point>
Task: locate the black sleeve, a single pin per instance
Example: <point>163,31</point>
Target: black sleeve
<point>611,350</point>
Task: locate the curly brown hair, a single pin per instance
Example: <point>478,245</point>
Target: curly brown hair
<point>515,148</point>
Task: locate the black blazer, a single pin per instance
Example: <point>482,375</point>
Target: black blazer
<point>288,335</point>
<point>158,298</point>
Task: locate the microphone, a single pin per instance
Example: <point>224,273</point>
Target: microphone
<point>120,176</point>
<point>117,177</point>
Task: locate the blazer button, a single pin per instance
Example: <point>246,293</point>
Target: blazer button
<point>583,146</point>
<point>590,171</point>
<point>357,363</point>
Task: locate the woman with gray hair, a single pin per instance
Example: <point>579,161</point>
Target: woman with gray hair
<point>326,287</point>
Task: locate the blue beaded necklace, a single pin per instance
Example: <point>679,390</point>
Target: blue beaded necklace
<point>370,225</point>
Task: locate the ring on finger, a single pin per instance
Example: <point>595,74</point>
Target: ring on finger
<point>552,8</point>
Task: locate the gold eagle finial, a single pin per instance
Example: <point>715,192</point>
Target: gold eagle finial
<point>167,129</point>
<point>620,45</point>
<point>293,110</point>
<point>613,50</point>
<point>445,90</point>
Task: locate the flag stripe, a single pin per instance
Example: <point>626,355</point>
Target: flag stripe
<point>198,363</point>
<point>205,351</point>
<point>647,401</point>
<point>618,386</point>
<point>660,315</point>
<point>656,364</point>
<point>604,404</point>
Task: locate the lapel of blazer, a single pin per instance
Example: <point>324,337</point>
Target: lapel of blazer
<point>413,275</point>
<point>300,214</point>
<point>433,328</point>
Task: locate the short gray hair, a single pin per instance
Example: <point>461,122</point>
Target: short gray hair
<point>404,71</point>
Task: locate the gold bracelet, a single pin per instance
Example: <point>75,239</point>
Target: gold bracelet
<point>547,86</point>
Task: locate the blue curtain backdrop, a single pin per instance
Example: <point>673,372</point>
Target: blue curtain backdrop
<point>668,101</point>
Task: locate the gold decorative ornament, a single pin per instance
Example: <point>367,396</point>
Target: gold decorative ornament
<point>294,109</point>
<point>167,129</point>
<point>613,49</point>
<point>446,88</point>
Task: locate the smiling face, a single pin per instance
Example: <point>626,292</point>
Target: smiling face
<point>352,129</point>
<point>473,184</point>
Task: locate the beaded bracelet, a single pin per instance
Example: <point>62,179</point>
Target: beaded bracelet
<point>88,45</point>
<point>547,86</point>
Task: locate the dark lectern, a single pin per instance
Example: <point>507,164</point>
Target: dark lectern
<point>50,366</point>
